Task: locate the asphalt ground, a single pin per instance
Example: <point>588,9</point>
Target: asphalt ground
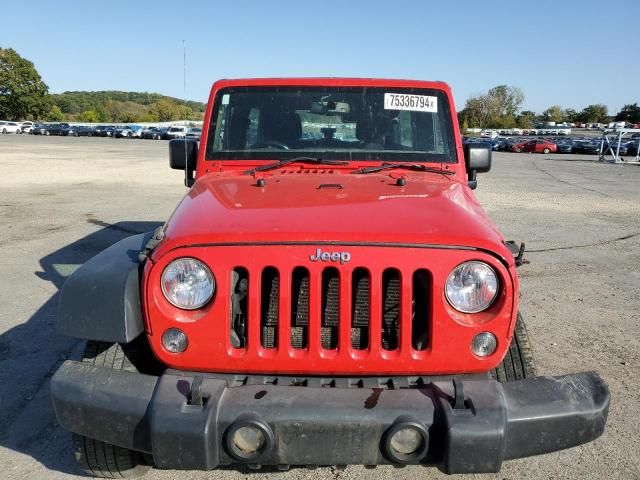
<point>62,200</point>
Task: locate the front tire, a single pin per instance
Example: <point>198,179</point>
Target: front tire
<point>101,459</point>
<point>518,362</point>
<point>546,151</point>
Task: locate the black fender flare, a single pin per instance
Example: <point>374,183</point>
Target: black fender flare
<point>101,299</point>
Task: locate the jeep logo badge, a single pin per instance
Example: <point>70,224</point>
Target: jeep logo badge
<point>320,256</point>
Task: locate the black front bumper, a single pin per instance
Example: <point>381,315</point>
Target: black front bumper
<point>490,422</point>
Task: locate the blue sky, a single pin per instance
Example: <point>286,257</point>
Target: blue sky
<point>570,53</point>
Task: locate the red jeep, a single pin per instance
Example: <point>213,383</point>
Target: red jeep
<point>328,292</point>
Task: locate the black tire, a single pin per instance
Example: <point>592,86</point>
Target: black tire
<point>103,460</point>
<point>517,150</point>
<point>518,362</point>
<point>4,131</point>
<point>100,459</point>
<point>546,151</point>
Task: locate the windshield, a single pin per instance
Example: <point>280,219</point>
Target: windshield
<point>360,123</point>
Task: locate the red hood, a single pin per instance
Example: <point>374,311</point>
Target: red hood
<point>307,206</point>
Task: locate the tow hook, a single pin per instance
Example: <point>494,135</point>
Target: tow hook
<point>458,395</point>
<point>195,393</point>
<point>517,252</point>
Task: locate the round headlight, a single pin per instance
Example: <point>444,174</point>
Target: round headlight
<point>471,287</point>
<point>188,283</point>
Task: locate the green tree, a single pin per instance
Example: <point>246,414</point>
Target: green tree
<point>89,116</point>
<point>594,113</point>
<point>526,119</point>
<point>103,116</point>
<point>497,108</point>
<point>507,100</point>
<point>23,94</point>
<point>55,114</point>
<point>553,114</point>
<point>571,115</point>
<point>629,113</point>
<point>166,110</point>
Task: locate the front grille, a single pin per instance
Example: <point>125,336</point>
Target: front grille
<point>299,308</point>
<point>390,309</point>
<point>330,308</point>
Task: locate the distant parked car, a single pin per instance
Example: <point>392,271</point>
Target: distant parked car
<point>632,147</point>
<point>147,132</point>
<point>56,128</point>
<point>123,132</point>
<point>136,131</point>
<point>586,146</point>
<point>154,133</point>
<point>10,127</point>
<point>104,131</point>
<point>78,131</point>
<point>622,150</point>
<point>99,131</point>
<point>175,132</point>
<point>38,129</point>
<point>535,146</point>
<point>107,131</point>
<point>194,133</point>
<point>565,146</point>
<point>26,127</point>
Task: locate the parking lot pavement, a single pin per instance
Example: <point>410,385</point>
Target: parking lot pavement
<point>62,200</point>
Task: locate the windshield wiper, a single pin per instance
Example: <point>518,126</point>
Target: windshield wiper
<point>287,161</point>
<point>406,166</point>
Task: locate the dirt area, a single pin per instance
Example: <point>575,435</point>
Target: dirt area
<point>62,200</point>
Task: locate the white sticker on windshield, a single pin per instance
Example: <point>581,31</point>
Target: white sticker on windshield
<point>225,99</point>
<point>413,103</point>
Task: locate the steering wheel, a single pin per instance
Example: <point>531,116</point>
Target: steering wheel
<point>273,143</point>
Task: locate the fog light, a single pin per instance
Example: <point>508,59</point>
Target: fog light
<point>406,441</point>
<point>484,344</point>
<point>249,440</point>
<point>175,340</point>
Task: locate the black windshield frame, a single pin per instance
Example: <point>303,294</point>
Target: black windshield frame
<point>445,123</point>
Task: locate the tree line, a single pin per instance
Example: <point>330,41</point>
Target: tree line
<point>501,107</point>
<point>25,96</point>
<point>124,107</point>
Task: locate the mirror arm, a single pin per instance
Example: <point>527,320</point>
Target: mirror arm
<point>472,182</point>
<point>189,180</point>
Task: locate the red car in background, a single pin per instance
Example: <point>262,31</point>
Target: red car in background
<point>535,146</point>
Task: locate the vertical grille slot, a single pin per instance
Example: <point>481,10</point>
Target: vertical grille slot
<point>420,310</point>
<point>390,309</point>
<point>239,309</point>
<point>330,309</point>
<point>300,308</point>
<point>360,318</point>
<point>270,293</point>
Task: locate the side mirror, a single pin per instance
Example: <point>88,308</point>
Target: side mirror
<point>183,153</point>
<point>477,158</point>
